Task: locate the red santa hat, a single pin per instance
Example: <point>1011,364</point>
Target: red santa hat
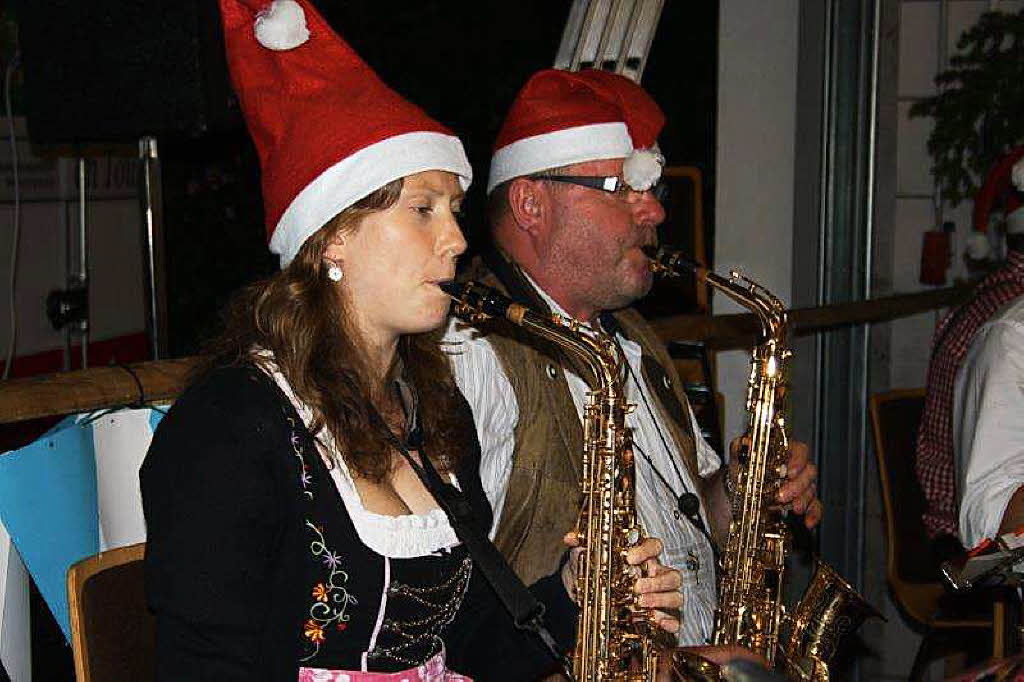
<point>327,130</point>
<point>1003,188</point>
<point>565,117</point>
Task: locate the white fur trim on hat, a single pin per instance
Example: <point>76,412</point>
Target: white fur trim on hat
<point>559,148</point>
<point>359,174</point>
<point>1018,175</point>
<point>642,169</point>
<point>281,25</point>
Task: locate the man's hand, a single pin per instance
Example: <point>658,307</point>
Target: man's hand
<point>799,490</point>
<point>657,586</point>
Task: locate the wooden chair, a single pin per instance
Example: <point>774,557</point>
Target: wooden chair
<point>913,574</point>
<point>112,631</point>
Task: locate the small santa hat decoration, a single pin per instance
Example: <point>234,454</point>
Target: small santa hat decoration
<point>1003,188</point>
<point>565,117</point>
<point>1015,202</point>
<point>327,130</point>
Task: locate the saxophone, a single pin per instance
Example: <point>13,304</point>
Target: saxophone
<point>750,610</point>
<point>616,641</point>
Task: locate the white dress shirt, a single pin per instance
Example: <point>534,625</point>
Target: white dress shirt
<point>988,423</point>
<point>481,378</point>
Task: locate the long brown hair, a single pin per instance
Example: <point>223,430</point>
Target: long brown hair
<point>302,317</point>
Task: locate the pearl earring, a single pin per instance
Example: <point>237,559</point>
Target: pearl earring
<point>334,272</point>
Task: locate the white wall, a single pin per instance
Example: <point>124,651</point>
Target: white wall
<point>757,77</point>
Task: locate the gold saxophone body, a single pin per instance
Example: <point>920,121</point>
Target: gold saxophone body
<point>616,640</point>
<point>750,610</point>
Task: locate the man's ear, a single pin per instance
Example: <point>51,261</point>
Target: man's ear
<point>528,203</point>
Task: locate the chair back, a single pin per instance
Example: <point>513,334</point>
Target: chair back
<point>113,633</point>
<point>895,416</point>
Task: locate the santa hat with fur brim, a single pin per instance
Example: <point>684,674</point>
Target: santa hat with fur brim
<point>327,130</point>
<point>1003,189</point>
<point>564,117</point>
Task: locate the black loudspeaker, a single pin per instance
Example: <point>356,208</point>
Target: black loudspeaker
<point>106,71</point>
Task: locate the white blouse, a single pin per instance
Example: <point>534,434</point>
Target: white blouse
<point>397,537</point>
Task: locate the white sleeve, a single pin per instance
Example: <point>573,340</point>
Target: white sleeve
<point>480,377</point>
<point>708,461</point>
<point>988,428</point>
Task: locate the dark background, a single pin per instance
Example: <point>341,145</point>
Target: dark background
<point>124,69</point>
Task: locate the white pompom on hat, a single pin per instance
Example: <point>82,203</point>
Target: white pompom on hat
<point>565,117</point>
<point>327,130</point>
<point>281,25</point>
<point>978,247</point>
<point>642,169</point>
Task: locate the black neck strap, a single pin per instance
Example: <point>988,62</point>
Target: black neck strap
<point>527,613</point>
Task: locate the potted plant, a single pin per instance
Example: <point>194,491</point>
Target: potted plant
<point>979,109</point>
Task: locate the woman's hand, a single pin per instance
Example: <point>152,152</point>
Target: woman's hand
<point>656,587</point>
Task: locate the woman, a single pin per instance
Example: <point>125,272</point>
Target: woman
<point>289,535</point>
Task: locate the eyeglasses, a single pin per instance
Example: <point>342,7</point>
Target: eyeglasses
<point>611,184</point>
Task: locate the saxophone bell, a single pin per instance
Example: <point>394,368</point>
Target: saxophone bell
<point>829,609</point>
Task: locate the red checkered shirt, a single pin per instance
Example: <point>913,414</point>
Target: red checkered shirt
<point>934,457</point>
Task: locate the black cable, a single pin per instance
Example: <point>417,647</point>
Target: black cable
<point>140,402</point>
<point>692,512</point>
<point>687,503</point>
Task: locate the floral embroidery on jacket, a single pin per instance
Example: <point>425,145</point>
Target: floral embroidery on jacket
<point>296,440</point>
<point>330,600</point>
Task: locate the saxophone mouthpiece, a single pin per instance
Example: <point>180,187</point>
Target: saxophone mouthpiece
<point>670,261</point>
<point>451,287</point>
<point>478,302</point>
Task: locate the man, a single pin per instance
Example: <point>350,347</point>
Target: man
<point>571,205</point>
<point>973,399</point>
<point>988,394</point>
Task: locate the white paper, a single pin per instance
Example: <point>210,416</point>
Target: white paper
<point>15,626</point>
<point>120,440</point>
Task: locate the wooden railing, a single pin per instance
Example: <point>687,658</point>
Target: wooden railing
<point>162,381</point>
<point>733,332</point>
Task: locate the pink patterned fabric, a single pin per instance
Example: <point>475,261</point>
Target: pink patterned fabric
<point>433,670</point>
<point>934,458</point>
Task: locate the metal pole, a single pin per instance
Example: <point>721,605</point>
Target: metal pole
<point>152,226</point>
<point>83,258</point>
<point>70,276</point>
<point>869,238</point>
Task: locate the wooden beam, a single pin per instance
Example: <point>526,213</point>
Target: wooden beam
<point>92,389</point>
<point>103,387</point>
<point>734,332</point>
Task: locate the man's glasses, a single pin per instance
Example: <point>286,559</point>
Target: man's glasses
<point>611,184</point>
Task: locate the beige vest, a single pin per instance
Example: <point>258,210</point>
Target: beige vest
<point>543,499</point>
